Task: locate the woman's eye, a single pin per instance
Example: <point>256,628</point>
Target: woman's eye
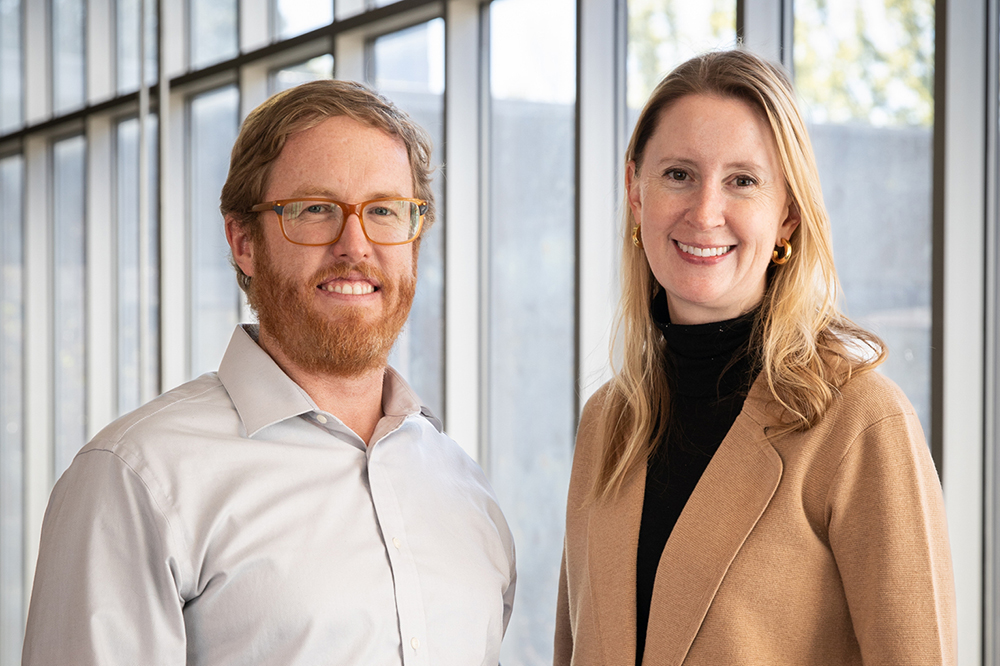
<point>744,181</point>
<point>677,174</point>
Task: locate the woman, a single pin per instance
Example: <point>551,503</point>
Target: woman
<point>745,490</point>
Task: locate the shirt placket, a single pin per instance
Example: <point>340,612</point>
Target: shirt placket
<point>406,583</point>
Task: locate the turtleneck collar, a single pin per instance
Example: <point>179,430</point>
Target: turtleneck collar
<point>700,353</point>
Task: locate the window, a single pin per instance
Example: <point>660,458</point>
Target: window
<point>128,34</point>
<point>294,17</point>
<point>213,31</point>
<point>662,35</point>
<point>320,67</point>
<point>69,298</point>
<point>215,296</point>
<point>12,606</point>
<point>138,286</point>
<point>69,74</point>
<point>531,235</point>
<point>11,90</point>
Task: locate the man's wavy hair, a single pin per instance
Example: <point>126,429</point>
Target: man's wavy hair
<point>805,346</point>
<point>266,129</point>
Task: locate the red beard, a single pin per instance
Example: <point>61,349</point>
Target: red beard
<point>346,345</point>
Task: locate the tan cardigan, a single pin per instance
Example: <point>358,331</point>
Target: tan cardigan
<point>823,547</point>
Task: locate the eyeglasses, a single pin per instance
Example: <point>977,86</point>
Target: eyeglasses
<point>321,221</point>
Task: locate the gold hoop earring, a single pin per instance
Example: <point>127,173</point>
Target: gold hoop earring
<point>636,237</point>
<point>785,252</point>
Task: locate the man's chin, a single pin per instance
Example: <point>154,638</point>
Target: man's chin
<point>345,348</point>
<point>329,336</point>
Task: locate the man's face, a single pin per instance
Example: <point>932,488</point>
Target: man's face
<point>334,309</point>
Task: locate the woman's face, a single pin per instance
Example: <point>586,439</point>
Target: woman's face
<point>711,203</point>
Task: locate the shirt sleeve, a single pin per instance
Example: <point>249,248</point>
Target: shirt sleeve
<point>508,594</point>
<point>106,587</point>
<point>888,534</point>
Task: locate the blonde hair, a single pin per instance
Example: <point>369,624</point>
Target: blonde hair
<point>807,349</point>
<point>266,129</point>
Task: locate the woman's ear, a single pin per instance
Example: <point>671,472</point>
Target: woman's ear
<point>790,223</point>
<point>240,244</point>
<point>632,190</point>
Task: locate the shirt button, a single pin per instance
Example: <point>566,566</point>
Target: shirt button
<point>321,418</point>
<point>397,544</point>
<point>414,643</point>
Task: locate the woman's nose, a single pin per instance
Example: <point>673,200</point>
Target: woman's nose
<point>708,208</point>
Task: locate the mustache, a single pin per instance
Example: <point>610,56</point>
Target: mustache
<point>345,269</point>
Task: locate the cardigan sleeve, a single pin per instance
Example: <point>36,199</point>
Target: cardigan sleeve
<point>563,652</point>
<point>887,531</point>
<point>586,459</point>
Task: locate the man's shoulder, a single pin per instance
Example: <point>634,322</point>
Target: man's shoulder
<point>198,405</point>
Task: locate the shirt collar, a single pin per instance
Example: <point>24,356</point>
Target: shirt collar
<point>264,395</point>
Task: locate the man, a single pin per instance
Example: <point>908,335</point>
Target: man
<point>299,506</point>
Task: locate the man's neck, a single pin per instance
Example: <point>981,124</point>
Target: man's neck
<point>356,400</point>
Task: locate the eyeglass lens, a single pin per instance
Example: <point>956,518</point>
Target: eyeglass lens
<point>320,222</point>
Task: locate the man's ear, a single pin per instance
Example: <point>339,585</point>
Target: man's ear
<point>240,244</point>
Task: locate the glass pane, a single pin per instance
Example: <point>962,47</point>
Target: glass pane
<point>70,299</point>
<point>320,67</point>
<point>11,411</point>
<point>294,17</point>
<point>215,295</point>
<point>864,72</point>
<point>213,35</point>
<point>11,87</point>
<point>664,33</point>
<point>127,32</point>
<point>138,369</point>
<point>69,73</point>
<point>531,382</point>
<point>409,69</point>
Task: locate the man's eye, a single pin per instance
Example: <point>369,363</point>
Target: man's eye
<point>381,211</point>
<point>318,209</point>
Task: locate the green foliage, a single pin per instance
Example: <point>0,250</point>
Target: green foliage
<point>664,33</point>
<point>867,62</point>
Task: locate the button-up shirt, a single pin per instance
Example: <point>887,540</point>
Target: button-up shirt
<point>231,521</point>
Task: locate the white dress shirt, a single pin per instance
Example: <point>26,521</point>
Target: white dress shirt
<point>230,521</point>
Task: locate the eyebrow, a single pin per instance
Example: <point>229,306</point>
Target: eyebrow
<point>682,162</point>
<point>323,193</point>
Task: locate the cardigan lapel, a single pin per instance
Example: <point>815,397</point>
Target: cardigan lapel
<point>613,540</point>
<point>732,494</point>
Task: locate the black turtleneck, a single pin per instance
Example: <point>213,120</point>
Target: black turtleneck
<point>709,373</point>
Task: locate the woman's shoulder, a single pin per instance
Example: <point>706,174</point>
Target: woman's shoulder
<point>868,407</point>
<point>872,397</point>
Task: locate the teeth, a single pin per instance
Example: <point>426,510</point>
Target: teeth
<point>352,288</point>
<point>704,251</point>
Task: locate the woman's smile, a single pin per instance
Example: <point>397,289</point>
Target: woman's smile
<point>697,251</point>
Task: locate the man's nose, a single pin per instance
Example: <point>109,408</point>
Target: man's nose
<point>352,244</point>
